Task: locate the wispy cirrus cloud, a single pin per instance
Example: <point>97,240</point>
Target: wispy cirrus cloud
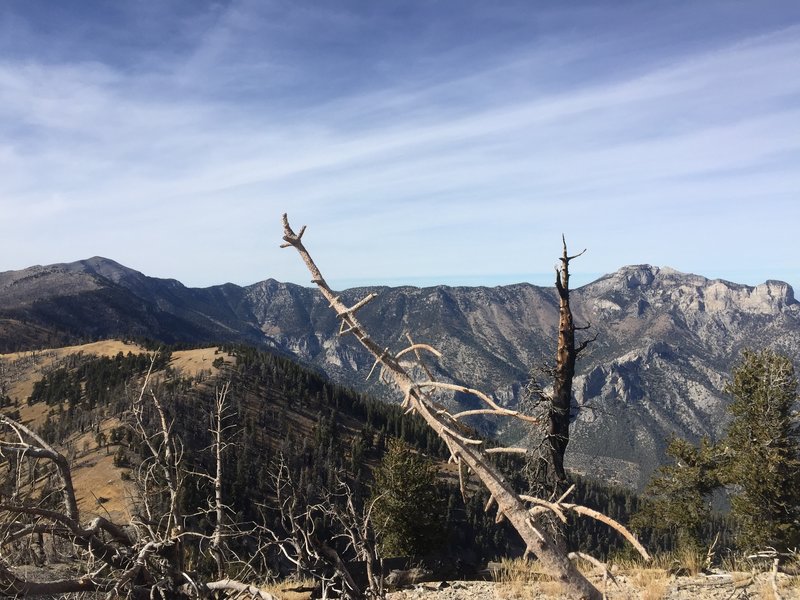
<point>451,156</point>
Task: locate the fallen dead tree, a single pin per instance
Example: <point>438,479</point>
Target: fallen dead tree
<point>468,453</point>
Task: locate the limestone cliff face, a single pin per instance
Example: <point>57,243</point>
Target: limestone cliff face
<point>666,341</point>
<point>666,344</point>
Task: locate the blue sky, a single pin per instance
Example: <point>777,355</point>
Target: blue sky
<point>435,141</point>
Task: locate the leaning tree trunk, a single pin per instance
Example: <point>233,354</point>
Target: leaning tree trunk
<point>464,450</point>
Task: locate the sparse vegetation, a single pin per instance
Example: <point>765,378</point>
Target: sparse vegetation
<point>522,579</point>
<point>757,464</point>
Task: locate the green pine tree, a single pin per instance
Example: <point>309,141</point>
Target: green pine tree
<point>678,498</point>
<point>408,514</point>
<point>763,441</point>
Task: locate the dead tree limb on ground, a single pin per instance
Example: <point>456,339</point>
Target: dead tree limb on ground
<point>465,451</point>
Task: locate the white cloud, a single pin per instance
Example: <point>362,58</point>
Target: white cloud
<point>457,168</point>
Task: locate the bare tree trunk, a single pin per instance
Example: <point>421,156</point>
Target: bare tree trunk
<point>217,430</point>
<point>561,404</point>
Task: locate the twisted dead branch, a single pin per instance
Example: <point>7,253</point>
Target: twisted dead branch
<point>465,451</point>
<point>302,545</point>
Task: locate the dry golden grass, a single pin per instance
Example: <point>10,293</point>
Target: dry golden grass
<point>285,590</point>
<point>652,583</point>
<point>98,483</point>
<point>788,587</point>
<point>689,562</point>
<point>101,348</point>
<point>22,385</point>
<point>520,579</point>
<point>102,492</point>
<point>523,580</point>
<point>100,488</point>
<point>192,362</point>
<point>28,370</point>
<point>765,591</point>
<point>33,414</point>
<point>516,578</point>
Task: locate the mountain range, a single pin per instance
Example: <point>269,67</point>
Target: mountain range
<point>665,341</point>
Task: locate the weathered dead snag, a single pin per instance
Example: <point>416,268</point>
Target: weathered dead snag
<point>467,452</point>
<point>566,354</point>
<point>143,558</point>
<point>555,406</point>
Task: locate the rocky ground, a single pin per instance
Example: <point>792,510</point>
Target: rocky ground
<point>639,586</point>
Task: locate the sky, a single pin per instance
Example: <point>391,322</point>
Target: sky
<point>421,141</point>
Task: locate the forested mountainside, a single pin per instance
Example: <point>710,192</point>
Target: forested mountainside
<point>283,414</point>
<point>666,341</point>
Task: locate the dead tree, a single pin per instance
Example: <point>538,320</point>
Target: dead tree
<point>560,405</point>
<point>468,453</point>
<point>218,429</point>
<point>222,424</point>
<point>357,530</point>
<point>143,558</point>
<point>313,554</point>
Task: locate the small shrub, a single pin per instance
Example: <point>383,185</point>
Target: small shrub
<point>121,459</point>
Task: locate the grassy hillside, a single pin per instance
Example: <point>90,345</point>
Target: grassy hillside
<point>79,398</point>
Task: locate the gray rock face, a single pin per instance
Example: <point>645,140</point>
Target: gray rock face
<point>666,341</point>
<point>666,344</point>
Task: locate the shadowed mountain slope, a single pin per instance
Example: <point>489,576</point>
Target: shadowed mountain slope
<point>666,340</point>
<point>98,298</point>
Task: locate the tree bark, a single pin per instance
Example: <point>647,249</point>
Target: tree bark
<point>561,404</point>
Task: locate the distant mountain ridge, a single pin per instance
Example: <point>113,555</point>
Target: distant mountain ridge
<point>666,340</point>
<point>98,297</point>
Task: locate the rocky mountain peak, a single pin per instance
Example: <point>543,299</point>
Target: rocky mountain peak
<point>103,267</point>
<point>645,287</point>
<point>780,291</point>
<point>666,340</point>
<point>39,282</point>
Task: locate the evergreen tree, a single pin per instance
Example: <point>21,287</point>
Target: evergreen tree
<point>763,442</point>
<point>408,513</point>
<point>678,498</point>
<point>758,462</point>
